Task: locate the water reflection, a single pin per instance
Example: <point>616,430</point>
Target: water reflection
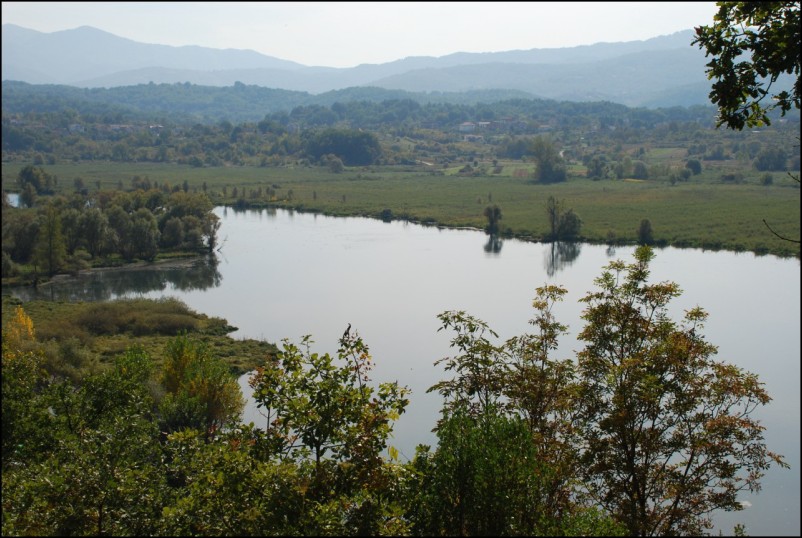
<point>103,285</point>
<point>494,244</point>
<point>269,212</point>
<point>559,255</point>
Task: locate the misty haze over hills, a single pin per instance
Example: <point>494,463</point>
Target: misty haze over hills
<point>659,72</point>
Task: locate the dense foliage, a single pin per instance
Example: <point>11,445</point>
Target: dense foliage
<point>71,232</point>
<point>644,434</point>
<point>752,44</point>
<point>367,107</point>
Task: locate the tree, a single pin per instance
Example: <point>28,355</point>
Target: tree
<point>645,236</point>
<point>144,234</point>
<point>771,159</point>
<point>50,248</point>
<point>27,197</point>
<point>20,230</point>
<point>9,268</point>
<point>751,42</point>
<point>553,211</point>
<point>100,475</point>
<point>506,460</point>
<point>550,165</point>
<point>694,166</point>
<point>765,37</point>
<point>355,148</point>
<point>563,225</point>
<point>597,167</point>
<point>569,227</point>
<point>323,413</point>
<point>479,372</point>
<point>24,418</point>
<point>173,233</point>
<point>324,405</point>
<point>540,390</point>
<point>196,212</point>
<point>71,228</point>
<point>493,215</point>
<point>483,480</point>
<point>640,170</point>
<point>120,224</point>
<point>41,181</point>
<point>334,163</point>
<point>669,436</point>
<point>95,229</point>
<point>228,490</point>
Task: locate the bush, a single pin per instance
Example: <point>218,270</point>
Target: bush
<point>732,178</point>
<point>771,159</point>
<point>640,170</point>
<point>694,166</point>
<point>138,316</point>
<point>570,225</point>
<point>484,479</point>
<point>645,236</point>
<point>9,268</point>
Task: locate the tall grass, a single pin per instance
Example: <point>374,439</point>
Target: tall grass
<point>86,336</point>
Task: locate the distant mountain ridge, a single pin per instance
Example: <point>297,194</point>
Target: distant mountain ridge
<point>662,71</point>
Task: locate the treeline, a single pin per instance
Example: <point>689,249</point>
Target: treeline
<point>70,232</point>
<point>643,434</point>
<point>396,132</point>
<point>189,103</point>
<point>265,143</point>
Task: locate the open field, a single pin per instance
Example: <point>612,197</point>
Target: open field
<point>701,212</point>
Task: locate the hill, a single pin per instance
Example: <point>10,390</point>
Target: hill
<point>662,71</point>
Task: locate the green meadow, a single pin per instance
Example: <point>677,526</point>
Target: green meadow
<point>701,212</point>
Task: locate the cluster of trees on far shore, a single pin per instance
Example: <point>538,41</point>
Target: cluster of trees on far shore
<point>71,232</point>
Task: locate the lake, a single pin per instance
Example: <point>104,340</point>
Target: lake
<point>283,274</point>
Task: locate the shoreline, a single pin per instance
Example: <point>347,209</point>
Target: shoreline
<point>170,263</point>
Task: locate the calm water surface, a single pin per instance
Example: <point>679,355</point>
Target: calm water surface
<point>285,275</point>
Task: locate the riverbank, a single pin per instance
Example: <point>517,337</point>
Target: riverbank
<point>172,262</point>
<point>98,332</point>
<point>701,212</point>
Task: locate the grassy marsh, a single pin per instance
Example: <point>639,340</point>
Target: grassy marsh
<point>702,212</point>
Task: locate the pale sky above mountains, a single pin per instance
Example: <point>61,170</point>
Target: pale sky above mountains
<point>346,34</point>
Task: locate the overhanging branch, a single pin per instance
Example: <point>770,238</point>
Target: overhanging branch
<point>778,235</point>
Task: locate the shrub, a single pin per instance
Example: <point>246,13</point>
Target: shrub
<point>9,268</point>
<point>645,236</point>
<point>640,170</point>
<point>694,166</point>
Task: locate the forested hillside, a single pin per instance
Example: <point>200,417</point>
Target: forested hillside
<point>243,103</point>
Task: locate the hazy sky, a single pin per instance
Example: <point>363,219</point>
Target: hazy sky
<point>345,34</point>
